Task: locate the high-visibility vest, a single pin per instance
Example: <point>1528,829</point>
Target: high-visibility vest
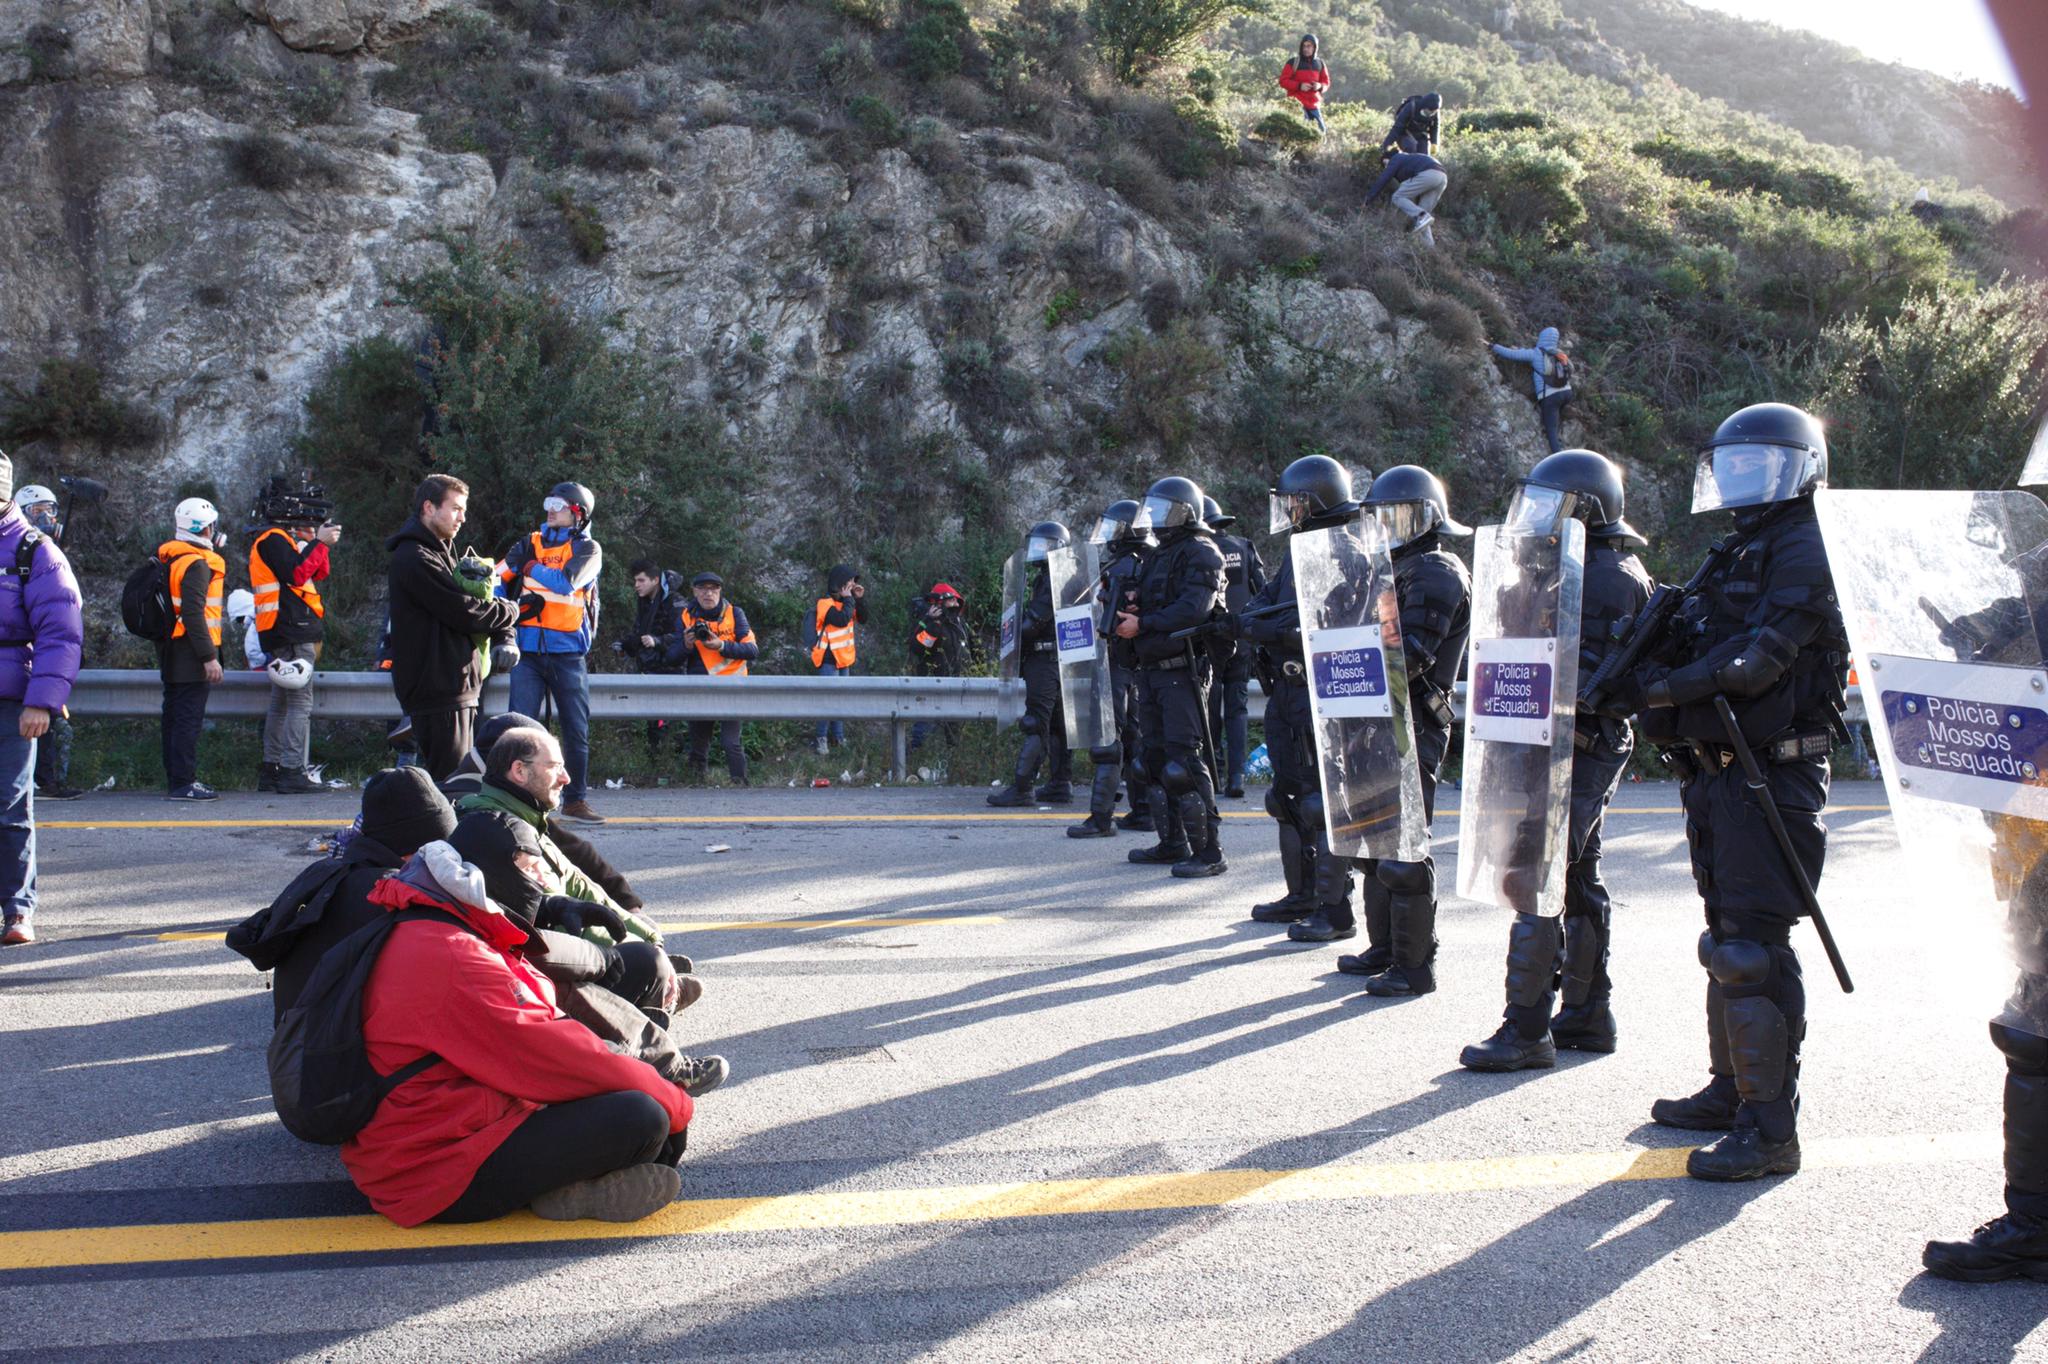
<point>717,664</point>
<point>836,640</point>
<point>181,555</point>
<point>268,587</point>
<point>561,611</point>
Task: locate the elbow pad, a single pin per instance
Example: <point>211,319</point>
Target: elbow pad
<point>1758,667</point>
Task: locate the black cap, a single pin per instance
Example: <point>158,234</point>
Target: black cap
<point>707,579</point>
<point>403,810</point>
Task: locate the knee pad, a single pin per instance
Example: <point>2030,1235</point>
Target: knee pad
<point>1706,947</point>
<point>2025,1054</point>
<point>1031,724</point>
<point>1406,878</point>
<point>1106,757</point>
<point>1178,778</point>
<point>1278,806</point>
<point>1309,809</point>
<point>1741,967</point>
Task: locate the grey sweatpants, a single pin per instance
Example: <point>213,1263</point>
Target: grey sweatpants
<point>288,728</point>
<point>1417,195</point>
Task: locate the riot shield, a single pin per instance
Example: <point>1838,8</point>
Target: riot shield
<point>1358,692</point>
<point>1514,799</point>
<point>1009,636</point>
<point>1083,652</point>
<point>1945,595</point>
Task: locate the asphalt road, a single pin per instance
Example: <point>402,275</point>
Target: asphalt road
<point>1070,1110</point>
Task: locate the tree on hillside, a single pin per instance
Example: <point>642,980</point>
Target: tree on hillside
<point>1137,35</point>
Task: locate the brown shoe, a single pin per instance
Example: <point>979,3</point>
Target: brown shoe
<point>580,809</point>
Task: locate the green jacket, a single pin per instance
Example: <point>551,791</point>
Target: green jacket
<point>564,878</point>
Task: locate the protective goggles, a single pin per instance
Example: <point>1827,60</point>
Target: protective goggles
<point>557,504</point>
<point>1751,476</point>
<point>1537,510</point>
<point>1163,513</point>
<point>1405,521</point>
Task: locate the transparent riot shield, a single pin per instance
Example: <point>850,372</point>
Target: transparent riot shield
<point>1358,692</point>
<point>1514,799</point>
<point>1945,595</point>
<point>1009,633</point>
<point>1083,652</point>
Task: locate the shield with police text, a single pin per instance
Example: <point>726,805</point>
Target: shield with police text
<point>1945,595</point>
<point>1009,631</point>
<point>1083,653</point>
<point>1358,692</point>
<point>1514,798</point>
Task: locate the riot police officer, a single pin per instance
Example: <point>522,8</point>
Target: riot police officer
<point>1229,693</point>
<point>1180,589</point>
<point>1436,616</point>
<point>1763,631</point>
<point>1045,722</point>
<point>1124,548</point>
<point>1546,955</point>
<point>1312,493</point>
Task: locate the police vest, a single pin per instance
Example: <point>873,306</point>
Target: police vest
<point>269,590</point>
<point>562,611</point>
<point>717,664</point>
<point>836,640</point>
<point>181,556</point>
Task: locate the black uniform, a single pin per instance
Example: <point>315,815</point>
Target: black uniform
<point>1400,897</point>
<point>1766,633</point>
<point>1290,738</point>
<point>1045,718</point>
<point>1415,127</point>
<point>1229,698</point>
<point>1124,762</point>
<point>1544,955</point>
<point>1180,587</point>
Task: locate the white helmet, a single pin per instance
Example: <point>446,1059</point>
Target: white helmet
<point>195,516</point>
<point>34,495</point>
<point>241,604</point>
<point>293,674</point>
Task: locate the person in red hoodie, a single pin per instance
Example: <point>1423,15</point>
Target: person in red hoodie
<point>1306,76</point>
<point>527,1108</point>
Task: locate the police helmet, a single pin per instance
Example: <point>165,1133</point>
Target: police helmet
<point>1213,513</point>
<point>1117,525</point>
<point>1044,538</point>
<point>1573,483</point>
<point>1767,452</point>
<point>1171,504</point>
<point>1410,503</point>
<point>1313,491</point>
<point>571,497</point>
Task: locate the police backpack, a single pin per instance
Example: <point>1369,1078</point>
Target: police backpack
<point>321,1079</point>
<point>146,600</point>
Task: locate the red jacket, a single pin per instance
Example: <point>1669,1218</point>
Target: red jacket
<point>1317,76</point>
<point>505,1050</point>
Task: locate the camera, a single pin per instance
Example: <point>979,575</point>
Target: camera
<point>702,632</point>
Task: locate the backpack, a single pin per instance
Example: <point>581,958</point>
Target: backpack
<point>320,1074</point>
<point>146,600</point>
<point>1557,373</point>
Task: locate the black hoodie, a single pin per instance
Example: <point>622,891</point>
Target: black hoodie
<point>433,658</point>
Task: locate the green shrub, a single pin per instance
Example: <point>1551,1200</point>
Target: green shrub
<point>1529,187</point>
<point>1500,121</point>
<point>275,163</point>
<point>1063,305</point>
<point>585,227</point>
<point>1733,171</point>
<point>1163,378</point>
<point>936,38</point>
<point>363,425</point>
<point>69,403</point>
<point>874,117</point>
<point>1137,35</point>
<point>1190,140</point>
<point>1285,130</point>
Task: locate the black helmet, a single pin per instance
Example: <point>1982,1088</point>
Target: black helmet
<point>1767,452</point>
<point>1432,100</point>
<point>1576,483</point>
<point>575,497</point>
<point>1043,538</point>
<point>1313,492</point>
<point>293,500</point>
<point>1115,526</point>
<point>1215,515</point>
<point>1410,503</point>
<point>1171,504</point>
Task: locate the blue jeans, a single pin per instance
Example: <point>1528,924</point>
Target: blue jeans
<point>561,676</point>
<point>17,817</point>
<point>1315,116</point>
<point>832,729</point>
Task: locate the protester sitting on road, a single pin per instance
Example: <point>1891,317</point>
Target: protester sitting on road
<point>330,900</point>
<point>714,641</point>
<point>833,617</point>
<point>1306,76</point>
<point>524,1106</point>
<point>1420,182</point>
<point>40,617</point>
<point>658,599</point>
<point>1551,375</point>
<point>1416,125</point>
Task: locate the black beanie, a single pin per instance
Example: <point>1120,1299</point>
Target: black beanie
<point>489,840</point>
<point>403,811</point>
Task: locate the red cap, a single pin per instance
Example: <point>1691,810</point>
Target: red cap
<point>943,590</point>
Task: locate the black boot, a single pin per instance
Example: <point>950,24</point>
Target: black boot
<point>1059,778</point>
<point>1745,1153</point>
<point>1136,821</point>
<point>1294,866</point>
<point>1523,1040</point>
<point>1333,920</point>
<point>2014,1246</point>
<point>1205,853</point>
<point>1095,826</point>
<point>295,781</point>
<point>1411,912</point>
<point>1102,789</point>
<point>1585,1023</point>
<point>1508,1050</point>
<point>1055,793</point>
<point>1379,933</point>
<point>1172,846</point>
<point>1029,754</point>
<point>266,778</point>
<point>1011,796</point>
<point>1712,1109</point>
<point>1764,1004</point>
<point>1584,1027</point>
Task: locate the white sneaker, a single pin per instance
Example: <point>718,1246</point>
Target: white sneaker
<point>824,748</point>
<point>1421,222</point>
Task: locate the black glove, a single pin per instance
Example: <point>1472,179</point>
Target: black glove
<point>614,968</point>
<point>567,914</point>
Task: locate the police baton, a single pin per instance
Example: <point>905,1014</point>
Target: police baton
<point>1754,778</point>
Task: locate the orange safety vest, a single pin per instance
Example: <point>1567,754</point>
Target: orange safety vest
<point>559,611</point>
<point>715,663</point>
<point>181,556</point>
<point>836,640</point>
<point>267,585</point>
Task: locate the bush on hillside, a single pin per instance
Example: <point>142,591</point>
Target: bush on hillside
<point>1732,171</point>
<point>1137,36</point>
<point>69,402</point>
<point>1529,187</point>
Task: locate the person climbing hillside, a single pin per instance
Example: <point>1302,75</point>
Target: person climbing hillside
<point>1551,374</point>
<point>1417,124</point>
<point>1419,181</point>
<point>1306,76</point>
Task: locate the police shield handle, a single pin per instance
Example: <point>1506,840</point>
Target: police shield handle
<point>1753,777</point>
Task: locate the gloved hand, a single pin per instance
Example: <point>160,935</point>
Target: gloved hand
<point>1635,692</point>
<point>614,968</point>
<point>581,918</point>
<point>504,657</point>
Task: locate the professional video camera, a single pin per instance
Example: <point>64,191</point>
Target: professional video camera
<point>293,500</point>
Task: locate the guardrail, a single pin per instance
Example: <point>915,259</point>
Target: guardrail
<point>902,701</point>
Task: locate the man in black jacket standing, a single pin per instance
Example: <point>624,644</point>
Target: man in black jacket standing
<point>433,619</point>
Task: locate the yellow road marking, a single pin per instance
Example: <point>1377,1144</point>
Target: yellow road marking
<point>709,925</point>
<point>300,1236</point>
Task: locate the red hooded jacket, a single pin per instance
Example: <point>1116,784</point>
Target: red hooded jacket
<point>505,1052</point>
<point>1294,76</point>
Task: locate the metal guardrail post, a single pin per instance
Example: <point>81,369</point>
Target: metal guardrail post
<point>899,750</point>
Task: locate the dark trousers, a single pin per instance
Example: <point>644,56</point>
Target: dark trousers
<point>53,753</point>
<point>1045,718</point>
<point>728,739</point>
<point>184,713</point>
<point>444,738</point>
<point>1551,408</point>
<point>562,1144</point>
<point>1173,724</point>
<point>1230,718</point>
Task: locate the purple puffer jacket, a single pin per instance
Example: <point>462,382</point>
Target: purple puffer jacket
<point>48,613</point>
